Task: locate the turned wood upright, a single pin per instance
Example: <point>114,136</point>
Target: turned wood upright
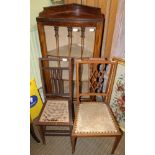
<point>69,16</point>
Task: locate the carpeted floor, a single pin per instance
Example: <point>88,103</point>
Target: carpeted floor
<point>85,146</point>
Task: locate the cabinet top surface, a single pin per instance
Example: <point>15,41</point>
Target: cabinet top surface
<point>70,12</point>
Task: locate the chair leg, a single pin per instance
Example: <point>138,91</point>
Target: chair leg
<point>33,134</point>
<point>74,139</point>
<point>117,140</point>
<point>41,132</point>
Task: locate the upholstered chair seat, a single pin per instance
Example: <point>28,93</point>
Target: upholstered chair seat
<point>55,111</point>
<point>94,117</point>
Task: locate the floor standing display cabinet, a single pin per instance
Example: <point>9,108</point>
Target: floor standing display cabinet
<point>70,16</point>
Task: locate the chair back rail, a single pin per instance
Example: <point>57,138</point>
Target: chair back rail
<point>56,80</point>
<point>100,78</point>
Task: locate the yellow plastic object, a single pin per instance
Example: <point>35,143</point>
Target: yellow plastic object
<point>35,101</point>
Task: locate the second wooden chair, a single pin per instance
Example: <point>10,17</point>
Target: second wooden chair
<point>94,118</point>
<point>57,87</point>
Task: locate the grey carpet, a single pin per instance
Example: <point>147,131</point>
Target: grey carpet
<point>85,146</point>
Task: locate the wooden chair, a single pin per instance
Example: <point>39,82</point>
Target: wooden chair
<point>57,110</point>
<point>94,117</point>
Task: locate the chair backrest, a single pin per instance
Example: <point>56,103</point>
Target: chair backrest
<point>100,76</point>
<point>56,76</point>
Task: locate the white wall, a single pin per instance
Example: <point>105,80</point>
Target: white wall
<point>36,6</point>
<point>35,53</point>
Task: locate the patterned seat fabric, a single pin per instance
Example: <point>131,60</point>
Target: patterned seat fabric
<point>94,117</point>
<point>55,111</point>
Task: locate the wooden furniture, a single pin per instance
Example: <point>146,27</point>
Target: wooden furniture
<point>109,9</point>
<point>95,118</point>
<point>70,16</point>
<point>57,110</point>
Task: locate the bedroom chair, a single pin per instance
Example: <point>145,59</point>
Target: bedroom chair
<point>94,118</point>
<point>57,110</point>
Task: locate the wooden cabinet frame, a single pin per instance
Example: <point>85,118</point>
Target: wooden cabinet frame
<point>71,15</point>
<point>109,9</point>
